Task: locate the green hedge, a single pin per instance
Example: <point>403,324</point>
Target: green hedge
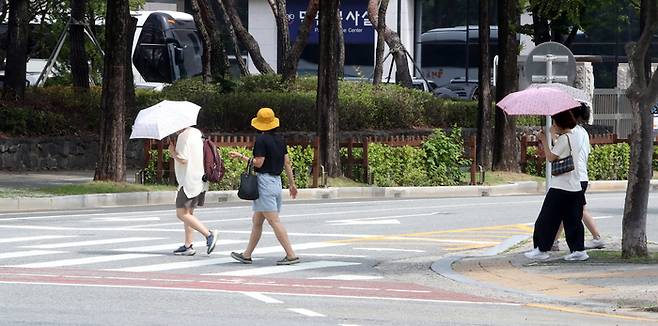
<point>438,162</point>
<point>229,106</point>
<point>606,162</point>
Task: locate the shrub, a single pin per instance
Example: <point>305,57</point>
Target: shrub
<point>609,162</point>
<point>396,166</point>
<point>190,89</point>
<point>444,157</point>
<point>655,158</point>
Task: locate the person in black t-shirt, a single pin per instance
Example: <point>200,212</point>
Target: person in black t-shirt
<point>270,159</point>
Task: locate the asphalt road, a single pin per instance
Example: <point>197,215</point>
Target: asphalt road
<point>363,263</point>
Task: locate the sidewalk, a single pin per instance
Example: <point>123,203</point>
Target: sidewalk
<point>34,180</point>
<point>600,286</point>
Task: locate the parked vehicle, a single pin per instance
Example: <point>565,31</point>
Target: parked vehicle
<point>458,88</point>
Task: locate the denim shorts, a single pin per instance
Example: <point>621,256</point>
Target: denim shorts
<point>269,193</point>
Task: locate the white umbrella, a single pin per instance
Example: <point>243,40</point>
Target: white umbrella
<point>164,118</point>
<point>578,94</point>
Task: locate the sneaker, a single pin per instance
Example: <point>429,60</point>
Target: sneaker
<point>577,255</point>
<point>596,243</point>
<point>288,261</point>
<point>556,246</point>
<point>241,258</point>
<point>211,241</point>
<point>537,254</point>
<point>184,251</point>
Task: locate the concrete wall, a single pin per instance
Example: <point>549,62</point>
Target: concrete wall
<point>59,153</point>
<point>162,5</point>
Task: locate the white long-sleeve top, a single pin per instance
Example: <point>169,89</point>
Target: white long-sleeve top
<point>189,147</point>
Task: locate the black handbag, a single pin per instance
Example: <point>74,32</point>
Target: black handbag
<point>248,189</point>
<point>563,165</point>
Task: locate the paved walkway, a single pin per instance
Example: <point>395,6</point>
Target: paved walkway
<point>601,285</point>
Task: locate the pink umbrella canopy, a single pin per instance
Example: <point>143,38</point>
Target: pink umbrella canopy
<point>537,101</point>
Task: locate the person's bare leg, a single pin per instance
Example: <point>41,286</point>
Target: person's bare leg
<point>256,231</point>
<point>280,232</point>
<point>190,220</point>
<point>589,223</point>
<point>189,235</point>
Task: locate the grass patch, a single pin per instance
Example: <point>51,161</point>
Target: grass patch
<point>101,187</point>
<point>615,257</point>
<point>13,193</point>
<point>344,182</point>
<point>492,178</point>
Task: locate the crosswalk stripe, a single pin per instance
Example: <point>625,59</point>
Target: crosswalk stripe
<point>206,262</point>
<point>286,268</point>
<point>171,246</point>
<point>90,243</point>
<point>28,253</point>
<point>35,238</point>
<point>176,265</point>
<point>84,261</point>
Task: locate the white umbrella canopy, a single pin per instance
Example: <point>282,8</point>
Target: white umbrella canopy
<point>164,119</point>
<point>578,94</point>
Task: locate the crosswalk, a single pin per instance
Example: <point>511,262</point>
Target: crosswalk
<point>153,253</point>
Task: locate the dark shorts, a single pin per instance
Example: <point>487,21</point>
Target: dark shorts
<point>190,203</point>
<point>583,184</point>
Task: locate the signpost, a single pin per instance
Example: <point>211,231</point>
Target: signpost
<point>547,63</point>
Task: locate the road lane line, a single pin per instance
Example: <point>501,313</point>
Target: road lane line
<point>285,268</point>
<point>306,312</point>
<point>84,261</point>
<point>389,249</point>
<point>347,277</point>
<point>176,265</point>
<point>261,297</point>
<point>171,246</point>
<point>90,243</point>
<point>35,238</point>
<point>28,253</point>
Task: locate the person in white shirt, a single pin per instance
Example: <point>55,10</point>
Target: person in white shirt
<point>187,153</point>
<point>564,199</point>
<point>582,115</point>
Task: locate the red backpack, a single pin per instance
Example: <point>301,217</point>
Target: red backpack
<point>213,165</point>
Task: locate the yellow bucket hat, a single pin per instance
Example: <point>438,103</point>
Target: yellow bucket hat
<point>265,120</point>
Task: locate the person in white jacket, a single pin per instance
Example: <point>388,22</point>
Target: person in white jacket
<point>187,153</point>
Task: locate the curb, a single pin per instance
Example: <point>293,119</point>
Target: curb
<point>443,267</point>
<point>168,197</point>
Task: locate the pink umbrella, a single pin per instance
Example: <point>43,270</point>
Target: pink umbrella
<point>537,101</point>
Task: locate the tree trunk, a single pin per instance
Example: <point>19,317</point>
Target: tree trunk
<point>17,38</point>
<point>379,51</point>
<point>219,64</point>
<point>283,36</point>
<point>205,41</point>
<point>327,96</point>
<point>291,62</point>
<point>403,76</point>
<point>78,58</point>
<point>246,39</point>
<point>505,149</point>
<point>642,94</point>
<point>541,29</point>
<point>341,45</point>
<point>244,71</point>
<point>118,92</point>
<point>485,126</point>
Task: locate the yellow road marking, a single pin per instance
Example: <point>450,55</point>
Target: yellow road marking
<point>585,312</point>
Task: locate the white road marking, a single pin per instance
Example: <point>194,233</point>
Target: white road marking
<point>285,268</point>
<point>84,261</point>
<point>362,222</point>
<point>123,219</point>
<point>347,277</point>
<point>90,243</point>
<point>35,238</point>
<point>389,249</point>
<point>593,217</point>
<point>171,246</point>
<point>306,312</point>
<point>261,297</point>
<point>176,265</point>
<point>28,253</point>
<point>334,255</point>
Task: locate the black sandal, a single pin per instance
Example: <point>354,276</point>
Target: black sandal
<point>241,258</point>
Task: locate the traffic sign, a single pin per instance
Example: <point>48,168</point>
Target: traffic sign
<point>550,62</point>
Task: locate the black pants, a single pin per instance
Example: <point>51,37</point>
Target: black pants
<point>560,206</point>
